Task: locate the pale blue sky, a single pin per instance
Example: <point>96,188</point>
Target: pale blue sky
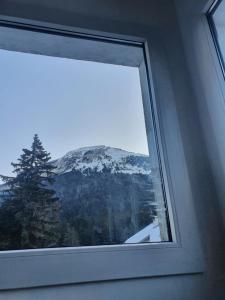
<point>69,103</point>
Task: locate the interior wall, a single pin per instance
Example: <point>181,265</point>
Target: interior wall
<point>209,94</point>
<point>139,18</point>
<point>208,83</point>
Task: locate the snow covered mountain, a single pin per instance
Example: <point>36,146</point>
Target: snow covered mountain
<point>103,159</point>
<point>106,196</point>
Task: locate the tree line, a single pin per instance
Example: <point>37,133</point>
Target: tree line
<point>41,210</point>
<point>30,210</point>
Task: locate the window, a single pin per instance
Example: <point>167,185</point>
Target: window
<point>95,179</point>
<point>216,17</point>
<point>83,107</point>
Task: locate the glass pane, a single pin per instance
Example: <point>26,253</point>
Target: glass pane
<point>218,18</point>
<point>75,162</point>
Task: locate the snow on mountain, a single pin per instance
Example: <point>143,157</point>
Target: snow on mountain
<point>103,158</point>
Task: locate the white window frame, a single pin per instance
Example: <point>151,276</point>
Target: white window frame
<point>209,15</point>
<point>45,267</point>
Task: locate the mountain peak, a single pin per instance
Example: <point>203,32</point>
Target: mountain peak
<point>100,158</point>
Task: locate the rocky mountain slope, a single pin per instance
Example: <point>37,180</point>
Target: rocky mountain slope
<point>106,196</point>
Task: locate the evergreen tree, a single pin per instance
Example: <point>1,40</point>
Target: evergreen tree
<point>31,210</point>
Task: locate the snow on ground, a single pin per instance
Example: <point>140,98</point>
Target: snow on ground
<point>150,233</point>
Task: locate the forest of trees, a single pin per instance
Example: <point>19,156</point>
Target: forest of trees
<point>40,208</point>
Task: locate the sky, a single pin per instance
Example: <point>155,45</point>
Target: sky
<point>69,104</point>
